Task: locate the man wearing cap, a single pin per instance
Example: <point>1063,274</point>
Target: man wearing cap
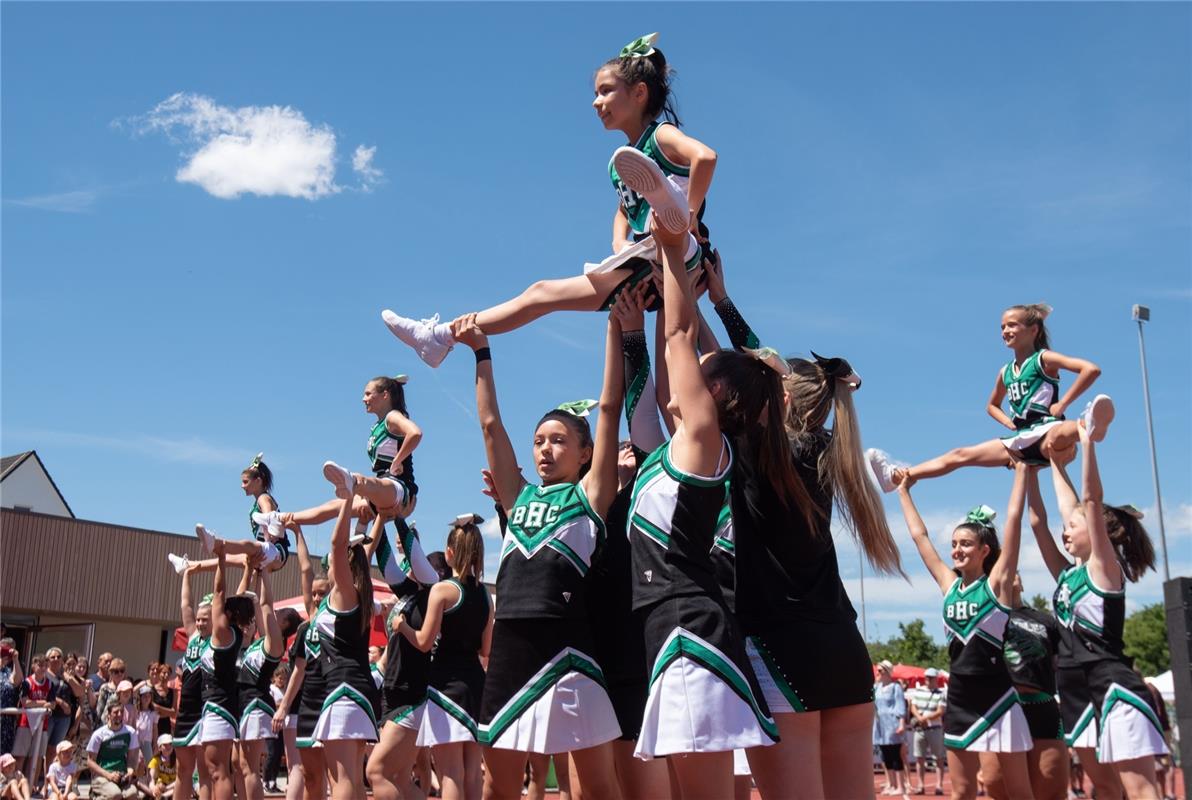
<point>927,710</point>
<point>113,755</point>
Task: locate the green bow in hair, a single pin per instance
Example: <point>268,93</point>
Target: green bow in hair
<point>1132,510</point>
<point>256,460</point>
<point>466,519</point>
<point>981,515</point>
<point>640,47</point>
<point>769,356</point>
<point>402,379</point>
<point>207,598</point>
<point>577,408</point>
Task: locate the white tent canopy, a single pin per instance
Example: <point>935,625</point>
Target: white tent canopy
<point>1165,684</point>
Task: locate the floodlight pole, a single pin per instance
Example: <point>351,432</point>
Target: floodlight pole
<point>1141,314</point>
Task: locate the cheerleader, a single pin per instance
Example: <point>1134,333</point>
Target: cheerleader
<point>1031,383</point>
<point>197,624</point>
<point>231,619</point>
<point>544,692</point>
<point>1109,546</point>
<point>983,713</point>
<point>405,674</point>
<point>340,704</point>
<point>257,665</point>
<point>704,700</point>
<point>458,624</point>
<point>660,169</point>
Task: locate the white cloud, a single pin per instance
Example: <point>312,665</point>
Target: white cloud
<point>362,165</point>
<point>77,202</point>
<point>491,528</point>
<point>263,150</point>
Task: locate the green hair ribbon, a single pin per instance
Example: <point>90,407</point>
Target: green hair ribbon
<point>640,47</point>
<point>466,519</point>
<point>770,357</point>
<point>577,408</point>
<point>981,515</point>
<point>207,598</point>
<point>401,378</point>
<point>256,460</point>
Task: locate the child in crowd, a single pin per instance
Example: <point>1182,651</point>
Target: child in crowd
<point>60,777</point>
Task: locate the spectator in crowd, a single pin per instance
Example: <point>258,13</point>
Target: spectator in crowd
<point>61,711</point>
<point>11,678</point>
<point>146,720</point>
<point>116,672</point>
<point>888,727</point>
<point>927,703</point>
<point>36,696</point>
<point>163,698</point>
<point>13,785</point>
<point>163,769</point>
<point>101,675</point>
<point>60,777</point>
<point>277,745</point>
<point>113,755</point>
<point>79,684</point>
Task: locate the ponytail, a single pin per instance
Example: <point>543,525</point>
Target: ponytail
<point>395,387</point>
<point>1034,314</point>
<point>815,389</point>
<point>467,549</point>
<point>1130,541</point>
<point>362,581</point>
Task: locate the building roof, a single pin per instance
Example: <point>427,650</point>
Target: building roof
<point>9,465</point>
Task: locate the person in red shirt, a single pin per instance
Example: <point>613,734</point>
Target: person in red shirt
<point>34,693</point>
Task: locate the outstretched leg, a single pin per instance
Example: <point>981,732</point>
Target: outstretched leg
<point>987,454</point>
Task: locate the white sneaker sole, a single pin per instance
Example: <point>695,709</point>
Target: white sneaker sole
<point>206,538</point>
<point>340,478</point>
<point>645,177</point>
<point>1100,413</point>
<point>880,464</point>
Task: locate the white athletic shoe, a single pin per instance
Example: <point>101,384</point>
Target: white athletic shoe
<point>883,468</point>
<point>270,521</point>
<point>431,339</point>
<point>1096,416</point>
<point>340,478</point>
<point>639,172</point>
<point>179,563</point>
<point>206,538</point>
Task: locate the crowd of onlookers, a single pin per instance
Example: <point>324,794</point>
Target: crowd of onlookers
<point>107,724</point>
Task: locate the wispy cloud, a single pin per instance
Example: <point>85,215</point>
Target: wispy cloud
<point>79,201</point>
<point>269,151</point>
<point>187,450</point>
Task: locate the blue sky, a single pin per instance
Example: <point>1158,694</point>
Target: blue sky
<point>890,178</point>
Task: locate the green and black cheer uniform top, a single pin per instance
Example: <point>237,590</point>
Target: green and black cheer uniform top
<point>1030,391</point>
<point>672,518</point>
<point>221,686</point>
<point>1093,618</point>
<point>190,699</point>
<point>461,633</point>
<point>637,208</point>
<point>260,534</point>
<point>551,538</point>
<point>336,641</point>
<point>383,446</point>
<point>975,629</point>
<point>256,676</point>
<point>407,668</point>
<point>1029,648</point>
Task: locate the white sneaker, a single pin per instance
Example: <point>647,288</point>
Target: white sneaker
<point>1096,416</point>
<point>179,563</point>
<point>206,538</point>
<point>269,522</point>
<point>431,339</point>
<point>639,172</point>
<point>883,468</point>
<point>340,478</point>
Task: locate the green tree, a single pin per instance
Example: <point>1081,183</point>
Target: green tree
<point>1145,635</point>
<point>912,645</point>
<point>1040,603</point>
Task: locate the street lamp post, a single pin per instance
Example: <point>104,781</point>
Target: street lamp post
<point>1141,314</point>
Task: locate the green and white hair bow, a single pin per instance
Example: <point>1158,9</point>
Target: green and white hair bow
<point>466,519</point>
<point>769,356</point>
<point>256,460</point>
<point>981,515</point>
<point>640,47</point>
<point>577,408</point>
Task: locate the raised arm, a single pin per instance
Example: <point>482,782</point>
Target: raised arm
<point>1053,557</point>
<point>996,397</point>
<point>940,572</point>
<point>620,229</point>
<point>399,424</point>
<point>184,606</point>
<point>246,578</point>
<point>1001,577</point>
<point>221,633</point>
<point>600,484</point>
<point>645,431</point>
<point>1086,372</point>
<point>275,643</point>
<point>306,571</point>
<point>343,594</point>
<point>1065,493</point>
<point>697,445</point>
<point>497,446</point>
<point>740,335</point>
<point>1103,564</point>
<point>662,389</point>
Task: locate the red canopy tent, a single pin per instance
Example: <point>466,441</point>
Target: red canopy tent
<point>381,594</point>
